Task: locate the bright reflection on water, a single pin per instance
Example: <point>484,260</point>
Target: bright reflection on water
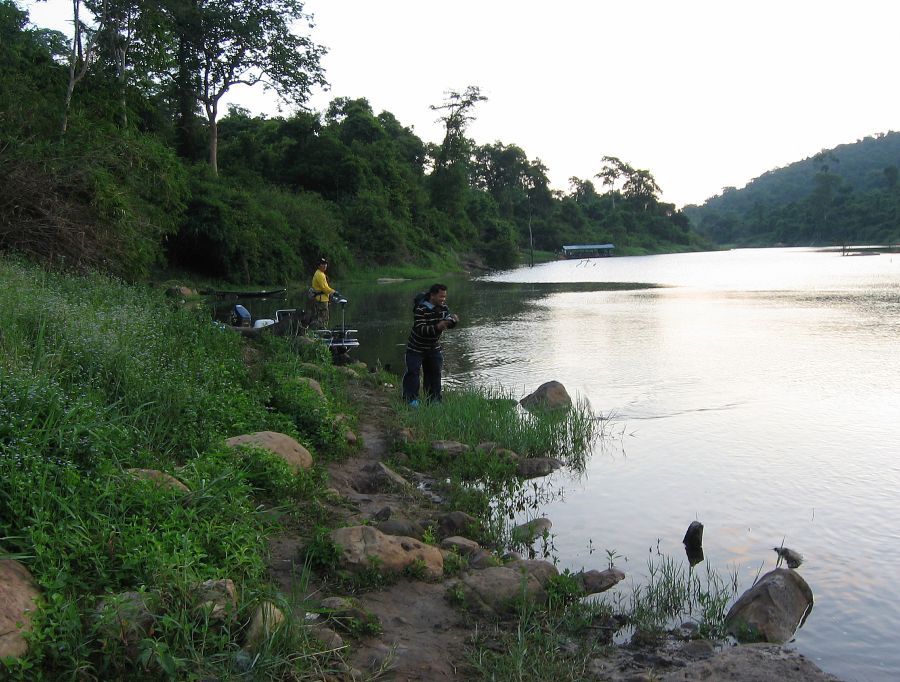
<point>754,390</point>
<point>757,393</point>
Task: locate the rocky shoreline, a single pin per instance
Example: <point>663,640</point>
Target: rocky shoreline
<point>423,635</point>
<point>416,620</point>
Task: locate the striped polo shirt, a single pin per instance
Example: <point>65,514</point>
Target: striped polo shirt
<point>425,335</point>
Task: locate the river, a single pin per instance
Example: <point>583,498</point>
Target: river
<point>757,391</point>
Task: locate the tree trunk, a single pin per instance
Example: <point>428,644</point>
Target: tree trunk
<point>213,143</point>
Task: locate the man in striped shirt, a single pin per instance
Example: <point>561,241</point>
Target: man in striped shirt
<point>431,317</point>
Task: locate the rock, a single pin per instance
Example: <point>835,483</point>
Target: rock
<point>535,467</point>
<point>378,477</point>
<point>751,663</point>
<point>285,447</point>
<point>383,514</point>
<point>266,619</point>
<point>403,436</point>
<point>450,447</point>
<point>463,546</point>
<point>693,537</point>
<point>771,610</point>
<point>542,570</point>
<point>181,292</point>
<point>482,559</point>
<point>360,544</point>
<point>327,637</point>
<point>312,383</point>
<point>506,454</point>
<point>126,617</point>
<point>486,448</point>
<point>217,598</point>
<point>548,396</point>
<point>499,589</point>
<point>593,582</point>
<point>313,370</point>
<point>338,605</point>
<point>18,600</point>
<point>526,533</point>
<point>162,479</point>
<point>402,527</point>
<point>454,523</point>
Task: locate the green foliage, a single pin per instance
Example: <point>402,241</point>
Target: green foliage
<point>97,377</point>
<point>255,233</point>
<point>846,195</point>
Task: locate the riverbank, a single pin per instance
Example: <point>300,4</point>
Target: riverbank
<point>160,544</point>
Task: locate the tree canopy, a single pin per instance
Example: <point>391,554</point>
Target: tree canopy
<point>128,187</point>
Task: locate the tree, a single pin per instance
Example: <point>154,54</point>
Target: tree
<point>250,42</point>
<point>641,185</point>
<point>449,181</point>
<point>613,170</point>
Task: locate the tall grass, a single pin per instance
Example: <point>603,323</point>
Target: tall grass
<point>491,414</point>
<point>97,377</point>
<point>672,592</point>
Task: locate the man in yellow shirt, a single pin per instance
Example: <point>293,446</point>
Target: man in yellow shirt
<point>323,292</point>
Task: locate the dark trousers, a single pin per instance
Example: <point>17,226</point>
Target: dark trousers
<point>429,363</point>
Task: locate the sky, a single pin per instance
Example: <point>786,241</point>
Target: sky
<point>704,94</point>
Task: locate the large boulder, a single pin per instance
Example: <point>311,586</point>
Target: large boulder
<point>500,589</point>
<point>360,545</point>
<point>548,396</point>
<point>771,610</point>
<point>18,600</point>
<point>285,447</point>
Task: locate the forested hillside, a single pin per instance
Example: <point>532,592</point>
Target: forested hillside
<point>114,154</point>
<point>848,194</point>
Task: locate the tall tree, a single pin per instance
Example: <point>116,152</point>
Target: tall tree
<point>449,181</point>
<point>251,42</point>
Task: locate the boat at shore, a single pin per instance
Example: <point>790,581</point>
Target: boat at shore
<point>260,293</point>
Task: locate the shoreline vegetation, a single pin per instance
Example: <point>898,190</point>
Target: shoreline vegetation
<point>149,495</point>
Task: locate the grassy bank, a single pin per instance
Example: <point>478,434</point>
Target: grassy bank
<point>97,378</point>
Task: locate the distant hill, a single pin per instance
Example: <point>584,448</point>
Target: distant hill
<point>845,194</point>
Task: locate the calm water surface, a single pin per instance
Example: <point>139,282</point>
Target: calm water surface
<point>757,391</point>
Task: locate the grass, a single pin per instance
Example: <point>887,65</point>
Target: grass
<point>483,483</point>
<point>560,640</point>
<point>480,415</point>
<point>97,377</point>
<point>673,592</point>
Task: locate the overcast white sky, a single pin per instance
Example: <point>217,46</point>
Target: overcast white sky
<point>703,93</point>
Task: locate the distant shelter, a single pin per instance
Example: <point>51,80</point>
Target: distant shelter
<point>587,250</point>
